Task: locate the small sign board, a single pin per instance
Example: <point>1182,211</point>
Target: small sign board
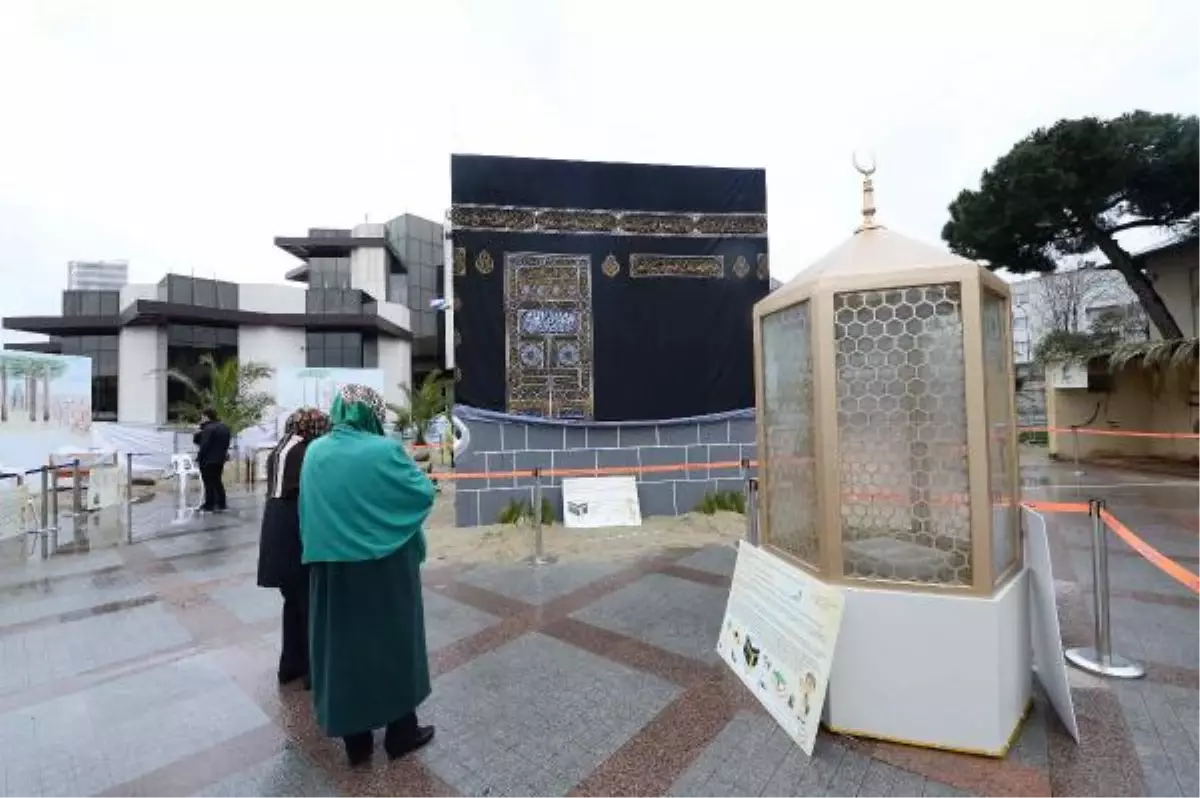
<point>591,502</point>
<point>1068,375</point>
<point>778,636</point>
<point>1047,637</point>
<point>105,487</point>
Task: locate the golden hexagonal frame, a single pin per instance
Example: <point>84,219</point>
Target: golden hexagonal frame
<point>886,414</point>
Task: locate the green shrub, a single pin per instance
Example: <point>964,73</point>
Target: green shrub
<point>1041,438</point>
<point>730,501</point>
<point>517,511</point>
<point>511,513</point>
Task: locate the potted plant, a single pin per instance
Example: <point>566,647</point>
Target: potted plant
<point>421,407</point>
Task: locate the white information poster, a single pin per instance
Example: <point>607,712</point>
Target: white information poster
<point>778,636</point>
<point>592,502</point>
<point>1047,638</point>
<point>106,487</point>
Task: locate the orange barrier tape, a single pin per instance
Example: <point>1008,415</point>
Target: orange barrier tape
<point>1114,433</point>
<point>1155,557</point>
<point>1057,507</point>
<point>592,472</point>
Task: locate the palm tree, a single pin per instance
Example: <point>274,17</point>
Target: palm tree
<point>33,369</point>
<point>5,364</point>
<point>51,370</point>
<point>229,390</point>
<point>423,405</point>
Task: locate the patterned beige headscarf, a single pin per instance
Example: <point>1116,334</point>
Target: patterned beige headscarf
<point>365,395</point>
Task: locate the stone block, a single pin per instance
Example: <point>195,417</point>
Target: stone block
<point>466,507</point>
<point>470,463</point>
<point>500,462</point>
<point>491,502</point>
<point>543,437</point>
<point>527,461</point>
<point>485,436</point>
<point>715,432</point>
<point>725,454</point>
<point>735,485</point>
<point>617,458</point>
<point>657,498</point>
<point>602,438</point>
<point>576,458</point>
<point>750,452</point>
<point>514,437</point>
<point>638,436</point>
<point>689,494</point>
<point>697,454</point>
<point>742,430</point>
<point>663,456</point>
<point>576,438</point>
<point>678,434</point>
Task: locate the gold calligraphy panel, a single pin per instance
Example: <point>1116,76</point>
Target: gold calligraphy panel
<point>548,324</point>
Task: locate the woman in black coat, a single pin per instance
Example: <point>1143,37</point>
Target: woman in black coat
<point>279,564</point>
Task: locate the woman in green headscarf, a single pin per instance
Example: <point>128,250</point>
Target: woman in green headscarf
<point>362,503</point>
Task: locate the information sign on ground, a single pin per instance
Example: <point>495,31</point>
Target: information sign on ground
<point>592,502</point>
<point>1047,638</point>
<point>778,636</point>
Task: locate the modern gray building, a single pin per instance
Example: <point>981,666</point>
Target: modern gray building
<point>97,275</point>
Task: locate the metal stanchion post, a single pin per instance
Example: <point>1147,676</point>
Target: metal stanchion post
<point>44,532</point>
<point>752,510</point>
<point>539,544</point>
<point>76,499</point>
<point>1075,439</point>
<point>129,497</point>
<point>54,494</point>
<point>1100,659</point>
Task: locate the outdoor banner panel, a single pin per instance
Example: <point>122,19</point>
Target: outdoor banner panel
<point>778,636</point>
<point>608,292</point>
<point>45,406</point>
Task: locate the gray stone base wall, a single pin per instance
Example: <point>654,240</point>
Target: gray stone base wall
<point>497,446</point>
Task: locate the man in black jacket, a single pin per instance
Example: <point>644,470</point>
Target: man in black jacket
<point>213,440</point>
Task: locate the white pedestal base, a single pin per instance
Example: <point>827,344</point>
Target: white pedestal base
<point>933,670</point>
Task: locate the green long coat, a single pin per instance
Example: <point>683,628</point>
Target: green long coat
<point>369,665</point>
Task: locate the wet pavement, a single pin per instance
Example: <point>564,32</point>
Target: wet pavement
<point>149,668</point>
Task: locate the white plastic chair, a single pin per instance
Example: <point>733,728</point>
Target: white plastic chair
<point>183,466</point>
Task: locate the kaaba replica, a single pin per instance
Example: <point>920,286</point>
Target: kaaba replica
<point>605,292</point>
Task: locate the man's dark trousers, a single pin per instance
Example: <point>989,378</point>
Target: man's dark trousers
<point>214,488</point>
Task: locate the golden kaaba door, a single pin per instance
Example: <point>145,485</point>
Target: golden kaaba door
<point>548,326</point>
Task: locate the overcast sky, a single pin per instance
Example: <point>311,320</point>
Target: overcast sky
<point>185,136</point>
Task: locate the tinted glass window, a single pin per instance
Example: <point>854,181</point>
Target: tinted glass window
<point>227,296</point>
<point>204,293</point>
<point>179,289</point>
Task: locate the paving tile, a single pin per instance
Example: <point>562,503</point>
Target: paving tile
<point>249,602</point>
<point>86,742</point>
<point>32,602</point>
<point>714,559</point>
<point>45,654</point>
<point>681,616</point>
<point>536,585</point>
<point>525,713</point>
<point>218,564</point>
<point>287,773</point>
<point>448,621</point>
<point>57,567</point>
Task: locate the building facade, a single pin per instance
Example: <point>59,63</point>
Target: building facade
<point>1064,300</point>
<point>346,315</point>
<point>97,275</point>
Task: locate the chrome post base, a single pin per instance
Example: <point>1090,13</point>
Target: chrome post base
<point>1116,666</point>
<point>535,560</point>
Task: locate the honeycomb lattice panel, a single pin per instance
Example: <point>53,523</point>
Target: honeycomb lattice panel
<point>790,496</point>
<point>997,389</point>
<point>902,435</point>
